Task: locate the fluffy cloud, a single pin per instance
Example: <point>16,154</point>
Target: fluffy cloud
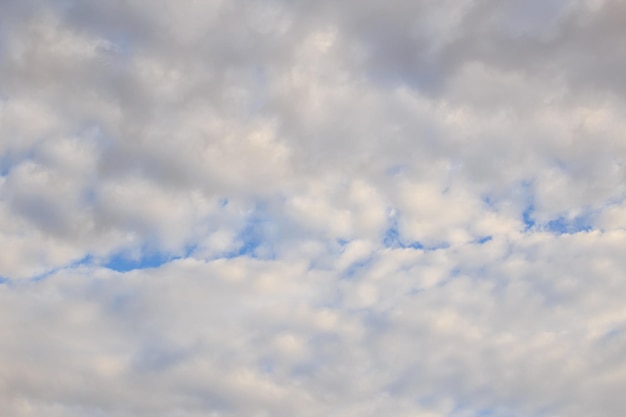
<point>260,207</point>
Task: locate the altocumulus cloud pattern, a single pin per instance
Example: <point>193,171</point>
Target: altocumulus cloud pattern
<point>281,208</point>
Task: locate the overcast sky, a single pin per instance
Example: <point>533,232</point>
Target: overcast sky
<point>290,208</point>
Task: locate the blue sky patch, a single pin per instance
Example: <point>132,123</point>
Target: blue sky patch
<point>393,240</point>
<point>358,266</point>
<point>254,236</point>
<point>392,237</point>
<point>484,239</point>
<point>563,225</point>
<point>527,217</point>
<point>124,262</point>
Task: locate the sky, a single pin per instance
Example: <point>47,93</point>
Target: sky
<point>279,208</point>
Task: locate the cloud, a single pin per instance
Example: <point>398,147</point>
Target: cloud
<point>287,208</point>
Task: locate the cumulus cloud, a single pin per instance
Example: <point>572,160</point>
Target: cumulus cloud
<point>262,207</point>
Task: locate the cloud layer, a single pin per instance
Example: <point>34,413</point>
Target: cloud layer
<point>272,208</point>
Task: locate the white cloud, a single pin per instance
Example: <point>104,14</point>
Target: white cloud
<point>319,209</point>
